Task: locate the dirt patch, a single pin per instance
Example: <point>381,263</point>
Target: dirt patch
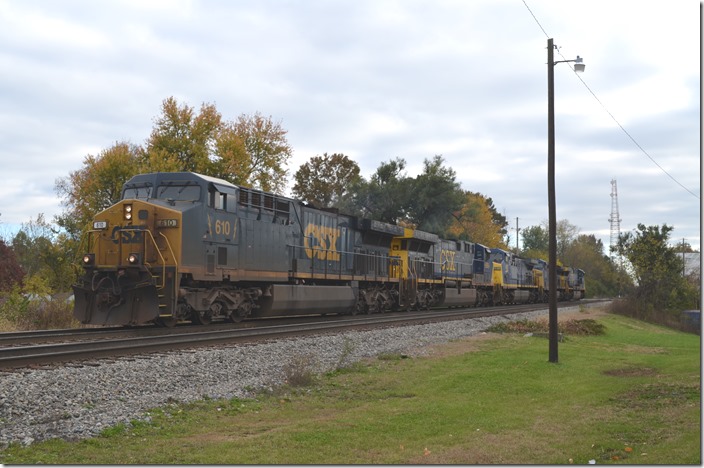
<point>459,347</point>
<point>660,395</point>
<point>591,312</point>
<point>631,372</point>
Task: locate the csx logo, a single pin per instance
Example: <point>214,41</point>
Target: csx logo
<point>126,237</point>
<point>447,260</point>
<point>321,242</point>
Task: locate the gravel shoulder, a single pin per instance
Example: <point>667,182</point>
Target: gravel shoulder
<point>79,402</point>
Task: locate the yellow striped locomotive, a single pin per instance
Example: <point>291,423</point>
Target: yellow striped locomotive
<point>187,247</point>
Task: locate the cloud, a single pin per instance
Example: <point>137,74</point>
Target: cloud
<point>374,80</point>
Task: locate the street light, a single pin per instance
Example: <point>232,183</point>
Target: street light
<point>552,223</point>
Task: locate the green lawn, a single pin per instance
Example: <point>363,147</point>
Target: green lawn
<point>629,396</point>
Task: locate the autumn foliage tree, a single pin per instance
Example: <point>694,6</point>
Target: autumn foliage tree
<point>96,186</point>
<point>267,152</point>
<point>250,151</point>
<point>11,273</point>
<point>183,140</point>
<point>324,181</point>
<point>474,222</point>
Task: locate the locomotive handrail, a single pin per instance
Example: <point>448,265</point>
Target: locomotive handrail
<point>88,235</point>
<point>156,248</point>
<point>355,255</point>
<point>171,250</point>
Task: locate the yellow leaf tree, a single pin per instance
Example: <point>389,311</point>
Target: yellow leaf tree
<point>474,222</point>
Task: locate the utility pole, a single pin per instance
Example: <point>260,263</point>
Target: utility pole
<point>552,206</point>
<point>552,213</point>
<point>684,266</point>
<point>517,231</point>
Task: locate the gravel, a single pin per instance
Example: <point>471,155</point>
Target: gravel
<point>76,402</point>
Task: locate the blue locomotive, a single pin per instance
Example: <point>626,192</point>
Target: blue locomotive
<point>188,247</point>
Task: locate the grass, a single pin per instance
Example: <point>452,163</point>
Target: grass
<point>630,395</point>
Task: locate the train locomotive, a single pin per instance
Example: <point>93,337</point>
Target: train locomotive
<point>188,247</point>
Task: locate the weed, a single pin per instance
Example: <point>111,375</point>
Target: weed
<point>586,327</point>
<point>391,356</point>
<point>345,356</point>
<point>300,370</point>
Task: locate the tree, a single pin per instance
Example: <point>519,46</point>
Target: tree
<point>45,255</point>
<point>96,186</point>
<point>11,273</point>
<point>436,195</point>
<point>385,196</point>
<point>499,220</point>
<point>603,277</point>
<point>566,233</point>
<point>182,140</point>
<point>656,267</point>
<point>474,222</point>
<point>267,149</point>
<point>251,150</point>
<point>232,160</point>
<point>324,181</point>
<point>536,241</point>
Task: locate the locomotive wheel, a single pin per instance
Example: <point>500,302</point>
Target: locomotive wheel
<point>381,306</point>
<point>241,312</point>
<point>236,316</point>
<point>201,317</point>
<point>359,307</point>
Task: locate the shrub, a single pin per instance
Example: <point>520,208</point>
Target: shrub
<point>300,370</point>
<point>567,327</point>
<point>20,311</point>
<point>634,308</point>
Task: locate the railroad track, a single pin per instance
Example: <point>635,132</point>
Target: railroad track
<point>21,349</point>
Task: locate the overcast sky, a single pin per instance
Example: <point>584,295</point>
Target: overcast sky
<point>375,80</point>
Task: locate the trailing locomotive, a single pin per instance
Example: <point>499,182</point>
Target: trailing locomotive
<point>183,246</point>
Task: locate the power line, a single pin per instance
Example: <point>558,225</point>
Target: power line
<point>610,114</point>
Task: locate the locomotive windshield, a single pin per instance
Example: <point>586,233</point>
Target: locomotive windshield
<point>169,191</point>
<point>141,192</point>
<point>178,192</point>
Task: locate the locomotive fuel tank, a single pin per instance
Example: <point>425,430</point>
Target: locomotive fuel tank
<point>288,299</point>
<point>454,297</point>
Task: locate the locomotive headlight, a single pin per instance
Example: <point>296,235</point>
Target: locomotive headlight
<point>88,259</point>
<point>133,258</point>
<point>128,212</point>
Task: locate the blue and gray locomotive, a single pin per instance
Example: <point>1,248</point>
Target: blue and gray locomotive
<point>187,247</point>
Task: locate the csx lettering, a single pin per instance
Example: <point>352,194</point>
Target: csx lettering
<point>321,242</point>
<point>447,260</point>
<point>126,237</point>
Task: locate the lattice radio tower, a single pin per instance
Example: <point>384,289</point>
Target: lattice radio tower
<point>615,220</point>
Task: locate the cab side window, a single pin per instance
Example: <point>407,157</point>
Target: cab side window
<point>217,199</point>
